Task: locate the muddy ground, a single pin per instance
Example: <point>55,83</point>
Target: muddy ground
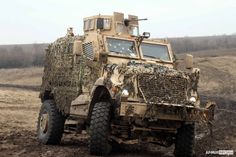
<point>19,106</point>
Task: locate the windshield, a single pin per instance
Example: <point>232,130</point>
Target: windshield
<point>121,47</point>
<point>155,51</point>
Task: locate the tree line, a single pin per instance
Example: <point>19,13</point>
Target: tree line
<point>194,44</point>
<point>18,56</point>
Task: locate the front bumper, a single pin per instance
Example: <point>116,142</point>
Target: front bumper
<point>167,111</point>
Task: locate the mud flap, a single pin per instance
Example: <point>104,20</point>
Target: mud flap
<point>209,114</point>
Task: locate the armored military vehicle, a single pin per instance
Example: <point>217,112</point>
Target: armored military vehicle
<point>119,87</point>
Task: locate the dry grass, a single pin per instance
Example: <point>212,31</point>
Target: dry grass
<point>215,53</point>
<point>218,75</point>
<point>18,109</point>
<point>24,76</point>
<point>210,53</point>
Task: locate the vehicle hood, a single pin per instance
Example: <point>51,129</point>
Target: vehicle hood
<point>153,83</point>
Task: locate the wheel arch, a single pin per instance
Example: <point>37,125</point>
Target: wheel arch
<point>100,93</point>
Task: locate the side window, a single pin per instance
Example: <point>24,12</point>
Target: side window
<point>86,25</point>
<point>134,30</point>
<point>89,24</point>
<point>107,24</point>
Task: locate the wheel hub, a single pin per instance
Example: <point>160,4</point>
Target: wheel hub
<point>44,122</point>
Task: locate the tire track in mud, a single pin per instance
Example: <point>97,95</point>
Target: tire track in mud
<point>23,143</point>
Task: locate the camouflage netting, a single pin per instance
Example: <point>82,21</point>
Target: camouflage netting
<point>161,88</point>
<point>66,75</point>
<point>160,84</point>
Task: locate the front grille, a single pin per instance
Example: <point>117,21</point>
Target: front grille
<point>163,88</point>
<point>88,50</point>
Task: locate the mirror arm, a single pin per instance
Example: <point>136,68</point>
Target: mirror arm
<point>103,57</point>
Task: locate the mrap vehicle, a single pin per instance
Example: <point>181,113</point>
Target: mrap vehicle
<point>120,87</point>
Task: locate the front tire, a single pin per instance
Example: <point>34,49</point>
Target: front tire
<point>184,143</point>
<point>100,129</point>
<point>50,125</point>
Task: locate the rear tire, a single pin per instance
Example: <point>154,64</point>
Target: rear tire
<point>184,143</point>
<point>100,129</point>
<point>50,125</point>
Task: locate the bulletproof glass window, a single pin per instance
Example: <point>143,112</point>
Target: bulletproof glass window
<point>121,47</point>
<point>107,24</point>
<point>86,25</point>
<point>155,51</point>
<point>89,24</point>
<point>134,30</point>
<point>100,23</point>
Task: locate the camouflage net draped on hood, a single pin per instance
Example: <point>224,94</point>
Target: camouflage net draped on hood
<point>160,84</point>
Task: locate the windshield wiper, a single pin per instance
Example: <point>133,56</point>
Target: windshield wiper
<point>159,59</point>
<point>117,52</point>
<point>151,57</point>
<point>131,48</point>
<point>129,54</point>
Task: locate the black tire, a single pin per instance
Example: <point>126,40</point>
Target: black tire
<point>184,143</point>
<point>100,129</point>
<point>54,127</point>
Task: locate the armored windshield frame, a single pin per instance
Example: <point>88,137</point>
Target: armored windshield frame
<point>156,59</point>
<point>119,55</point>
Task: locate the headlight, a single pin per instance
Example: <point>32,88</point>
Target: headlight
<point>193,99</point>
<point>125,93</point>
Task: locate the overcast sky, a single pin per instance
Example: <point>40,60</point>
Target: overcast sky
<point>40,21</point>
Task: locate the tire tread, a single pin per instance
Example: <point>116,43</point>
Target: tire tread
<point>184,144</point>
<point>99,129</point>
<point>56,124</point>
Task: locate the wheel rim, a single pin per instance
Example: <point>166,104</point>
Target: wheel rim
<point>44,122</point>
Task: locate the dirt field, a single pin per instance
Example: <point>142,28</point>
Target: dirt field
<point>19,106</point>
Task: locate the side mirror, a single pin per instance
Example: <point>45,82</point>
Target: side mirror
<point>103,57</point>
<point>77,48</point>
<point>146,35</point>
<point>188,61</point>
